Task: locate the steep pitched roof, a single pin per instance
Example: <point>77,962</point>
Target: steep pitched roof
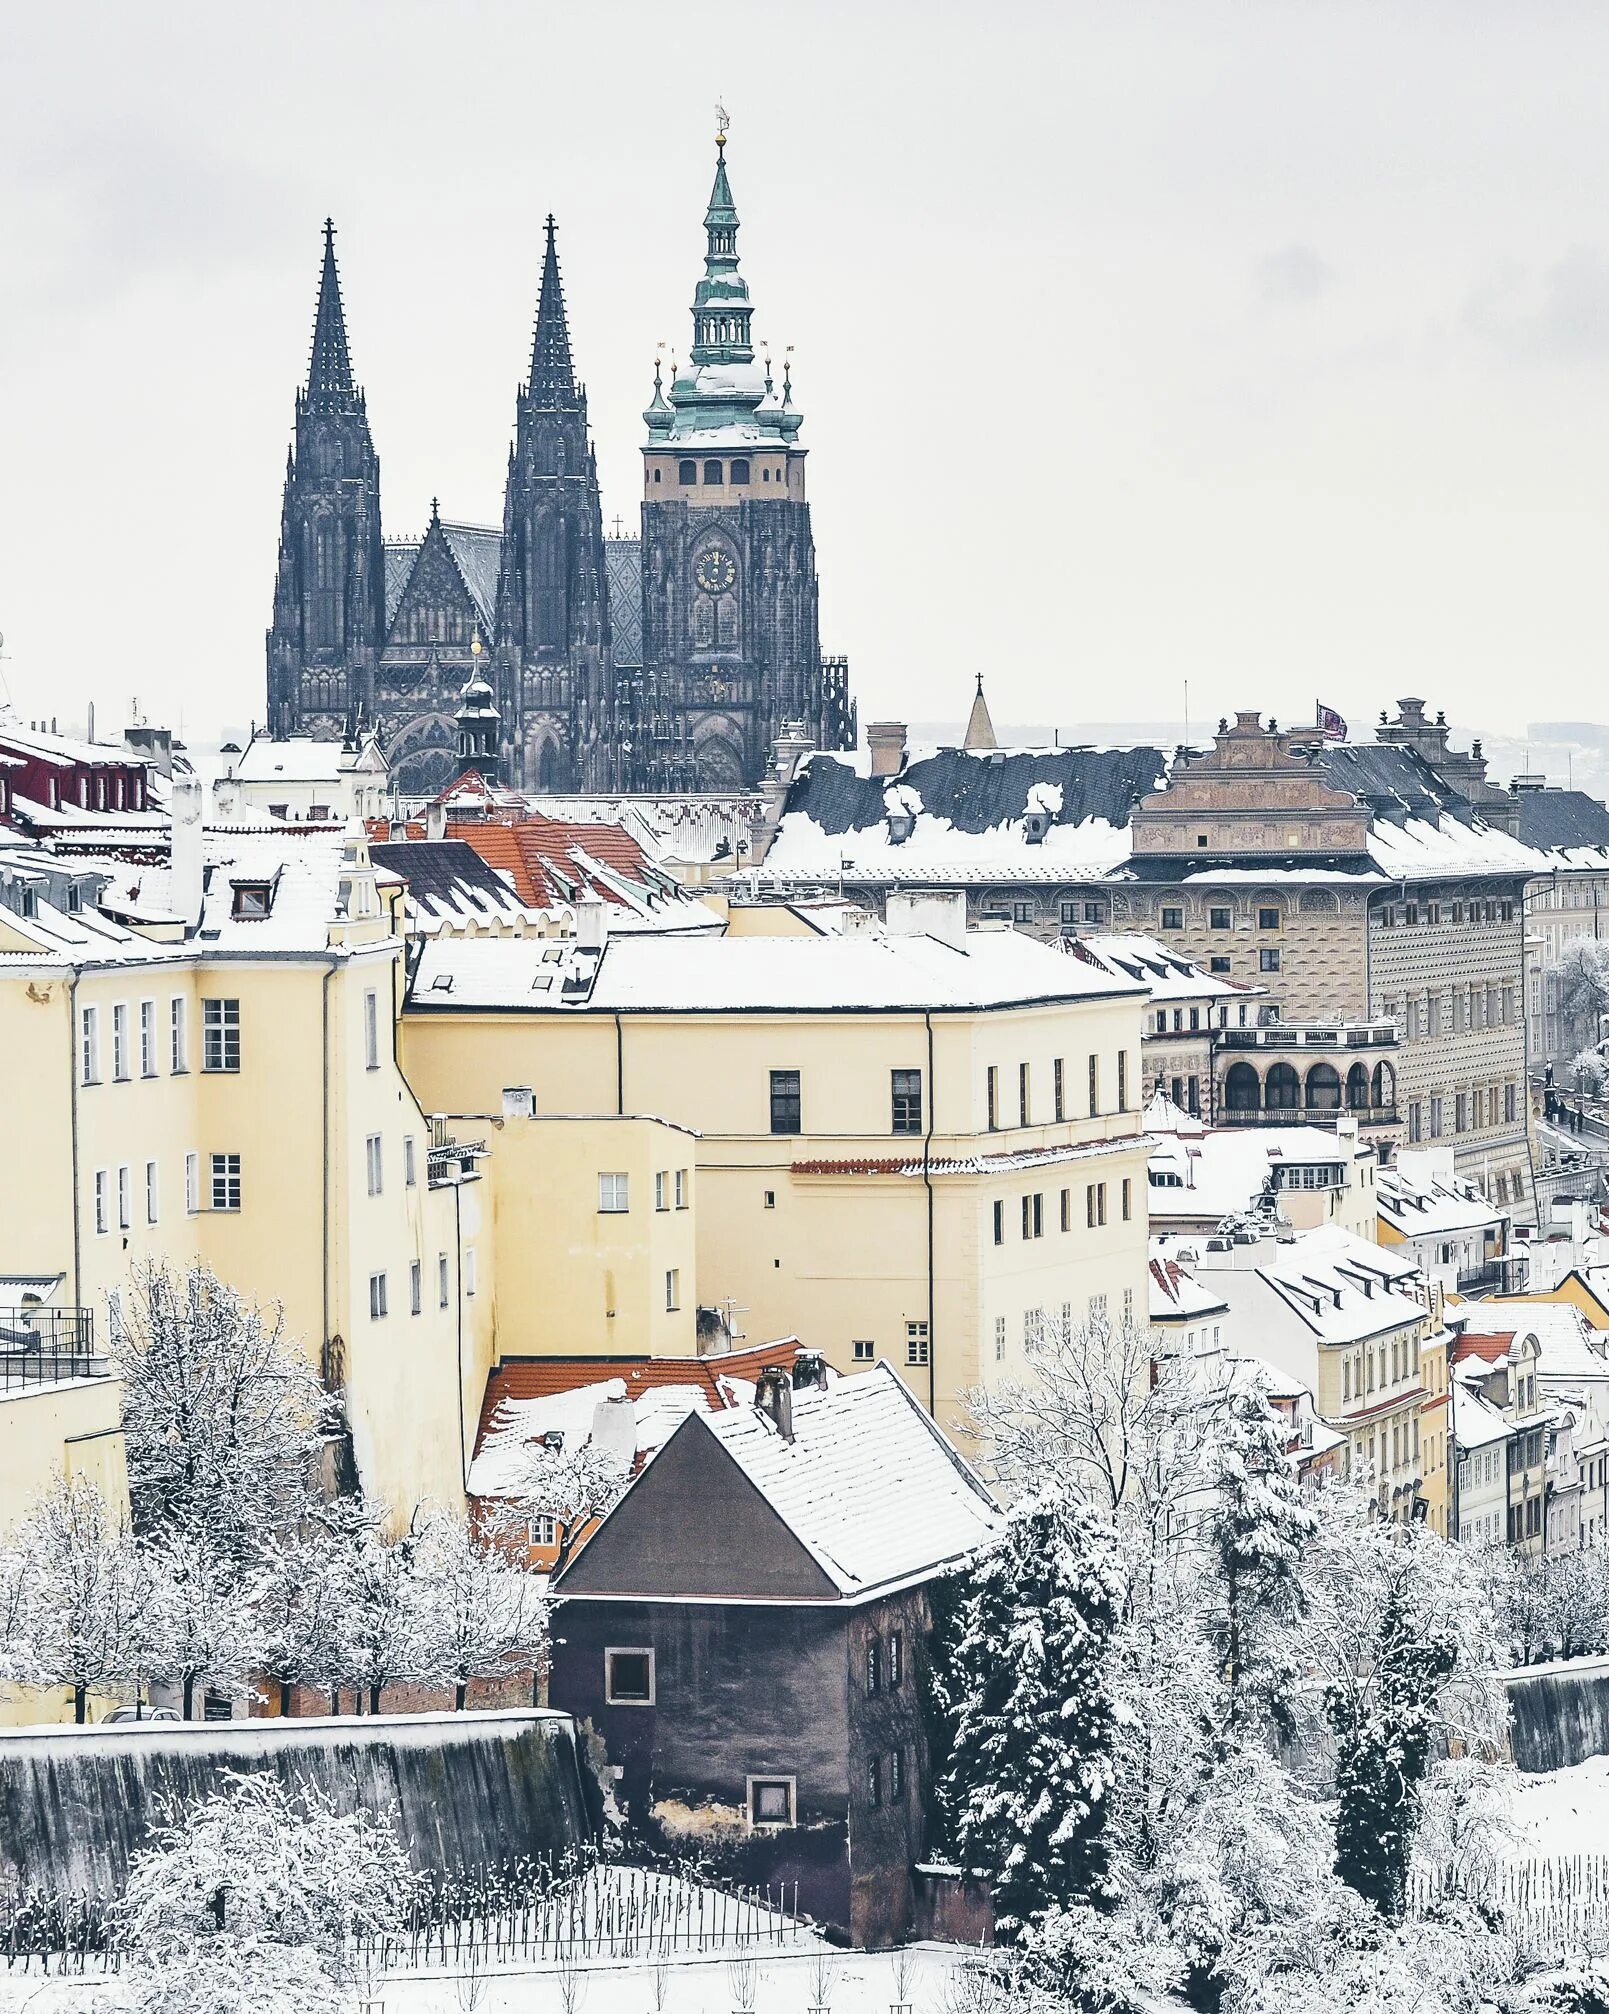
<point>446,878</point>
<point>1561,820</point>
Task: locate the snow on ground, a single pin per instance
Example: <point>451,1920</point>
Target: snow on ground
<point>1564,1811</point>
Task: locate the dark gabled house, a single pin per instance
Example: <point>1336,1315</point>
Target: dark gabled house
<point>744,1630</point>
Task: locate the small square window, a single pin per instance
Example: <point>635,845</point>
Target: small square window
<point>770,1199</point>
<point>864,1352</point>
<point>542,1531</point>
<point>1218,965</point>
<point>1172,919</point>
<point>1219,919</point>
<point>628,1677</point>
<point>771,1802</point>
<point>1268,960</point>
<point>1268,919</point>
<point>613,1194</point>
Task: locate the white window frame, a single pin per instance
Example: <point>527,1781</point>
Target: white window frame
<point>681,1188</point>
<point>125,1197</point>
<point>542,1531</point>
<point>787,1824</point>
<point>378,1308</point>
<point>673,1289</point>
<point>444,1288</point>
<point>103,1214</point>
<point>89,1038</point>
<point>178,1036</point>
<point>220,1176</point>
<point>220,1035</point>
<point>371,1030</point>
<point>614,1194</point>
<point>192,1182</point>
<point>153,1200</point>
<point>918,1346</point>
<point>661,1189</point>
<point>613,1650</point>
<point>410,1164</point>
<point>120,1058</point>
<point>374,1163</point>
<point>147,1038</point>
<point>863,1351</point>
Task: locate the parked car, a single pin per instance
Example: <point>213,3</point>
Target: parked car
<point>142,1716</point>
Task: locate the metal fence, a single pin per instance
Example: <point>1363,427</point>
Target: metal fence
<point>42,1345</point>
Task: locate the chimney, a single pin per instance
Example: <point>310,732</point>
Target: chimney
<point>886,740</point>
<point>591,924</point>
<point>773,1395</point>
<point>931,912</point>
<point>519,1102</point>
<point>435,821</point>
<point>809,1371</point>
<point>184,855</point>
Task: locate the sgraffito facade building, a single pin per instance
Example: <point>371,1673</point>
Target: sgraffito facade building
<point>669,661</point>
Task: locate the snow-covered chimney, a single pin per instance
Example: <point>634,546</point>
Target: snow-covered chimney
<point>519,1102</point>
<point>591,924</point>
<point>773,1394</point>
<point>435,821</point>
<point>928,912</point>
<point>886,741</point>
<point>184,857</point>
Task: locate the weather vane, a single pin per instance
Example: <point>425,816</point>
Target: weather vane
<point>722,124</point>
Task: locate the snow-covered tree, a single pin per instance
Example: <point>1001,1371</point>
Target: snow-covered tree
<point>1589,1073</point>
<point>1025,1784</point>
<point>481,1617</point>
<point>80,1592</point>
<point>199,1623</point>
<point>386,1633</point>
<point>1582,977</point>
<point>299,1600</point>
<point>575,1485</point>
<point>1403,1628</point>
<point>1259,1525</point>
<point>222,1415</point>
<point>251,1896</point>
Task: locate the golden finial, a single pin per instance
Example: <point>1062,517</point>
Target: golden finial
<point>476,645</point>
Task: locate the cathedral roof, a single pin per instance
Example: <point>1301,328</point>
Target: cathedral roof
<point>477,552</point>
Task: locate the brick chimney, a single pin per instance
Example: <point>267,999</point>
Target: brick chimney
<point>886,740</point>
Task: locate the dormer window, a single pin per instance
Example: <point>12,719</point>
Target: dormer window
<point>1034,826</point>
<point>253,900</point>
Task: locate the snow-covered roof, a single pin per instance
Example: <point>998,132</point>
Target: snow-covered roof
<point>1570,1348</point>
<point>1324,1286</point>
<point>1477,1423</point>
<point>697,974</point>
<point>868,1484</point>
<point>1437,1208</point>
<point>1175,1292</point>
<point>1169,974</point>
<point>302,759</point>
<point>1211,1175</point>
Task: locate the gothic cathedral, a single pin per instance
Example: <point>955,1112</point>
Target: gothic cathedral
<point>668,663</point>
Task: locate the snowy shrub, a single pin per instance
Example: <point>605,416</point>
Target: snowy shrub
<point>231,1975</point>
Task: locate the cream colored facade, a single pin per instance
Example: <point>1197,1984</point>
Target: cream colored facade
<point>233,1099</point>
<point>942,1249</point>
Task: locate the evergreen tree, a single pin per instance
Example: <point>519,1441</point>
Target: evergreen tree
<point>1259,1525</point>
<point>1025,1785</point>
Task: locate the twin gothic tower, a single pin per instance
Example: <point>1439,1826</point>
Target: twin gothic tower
<point>666,663</point>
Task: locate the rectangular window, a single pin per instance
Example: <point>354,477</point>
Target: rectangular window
<point>220,1034</point>
<point>1510,1099</point>
<point>152,1210</point>
<point>1435,1118</point>
<point>192,1183</point>
<point>178,1037</point>
<point>119,1042</point>
<point>1058,1089</point>
<point>628,1677</point>
<point>907,1101</point>
<point>443,1280</point>
<point>681,1189</point>
<point>896,1775</point>
<point>916,1343</point>
<point>662,1190</point>
<point>89,1025</point>
<point>1022,1094</point>
<point>147,1038</point>
<point>226,1181</point>
<point>372,1152</point>
<point>371,1031</point>
<point>613,1195</point>
<point>863,1351</point>
<point>1415,1122</point>
<point>874,1782</point>
<point>1268,919</point>
<point>469,1271</point>
<point>1268,960</point>
<point>103,1219</point>
<point>1094,1087</point>
<point>1000,1223</point>
<point>376,1296</point>
<point>1172,919</point>
<point>416,1287</point>
<point>1128,1200</point>
<point>896,1659</point>
<point>874,1668</point>
<point>999,1339</point>
<point>410,1167</point>
<point>992,1094</point>
<point>784,1101</point>
<point>1067,1209</point>
<point>771,1802</point>
<point>1122,1080</point>
<point>1219,965</point>
<point>673,1290</point>
<point>542,1531</point>
<point>1218,919</point>
<point>1089,1206</point>
<point>1460,1112</point>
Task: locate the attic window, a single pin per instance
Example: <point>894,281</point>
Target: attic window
<point>442,983</point>
<point>1201,841</point>
<point>253,900</point>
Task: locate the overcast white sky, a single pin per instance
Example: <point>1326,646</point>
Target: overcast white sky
<point>1261,345</point>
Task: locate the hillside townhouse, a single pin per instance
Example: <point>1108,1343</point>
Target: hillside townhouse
<point>918,1144</point>
<point>1453,1233</point>
<point>1361,883</point>
<point>203,1065</point>
<point>1350,1322</point>
<point>1200,1178</point>
<point>1508,1498</point>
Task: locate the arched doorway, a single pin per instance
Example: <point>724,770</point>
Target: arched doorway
<point>1282,1089</point>
<point>1323,1088</point>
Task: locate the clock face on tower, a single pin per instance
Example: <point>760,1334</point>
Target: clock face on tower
<point>715,570</point>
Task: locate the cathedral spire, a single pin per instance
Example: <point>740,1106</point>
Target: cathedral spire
<point>980,728</point>
<point>329,371</point>
<point>552,373</point>
<point>721,311</point>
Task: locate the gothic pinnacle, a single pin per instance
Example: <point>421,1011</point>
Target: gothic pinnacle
<point>552,381</point>
<point>329,371</point>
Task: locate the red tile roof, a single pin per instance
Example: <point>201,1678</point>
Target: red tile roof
<point>537,853</point>
<point>1490,1349</point>
<point>541,1377</point>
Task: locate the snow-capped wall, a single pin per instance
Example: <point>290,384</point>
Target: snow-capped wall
<point>75,1803</point>
<point>1559,1713</point>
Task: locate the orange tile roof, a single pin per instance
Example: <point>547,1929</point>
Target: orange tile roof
<point>1490,1349</point>
<point>541,1377</point>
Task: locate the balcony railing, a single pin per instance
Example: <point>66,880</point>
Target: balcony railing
<point>1304,1115</point>
<point>1310,1035</point>
<point>42,1345</point>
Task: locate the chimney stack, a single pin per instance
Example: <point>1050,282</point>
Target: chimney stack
<point>184,848</point>
<point>773,1395</point>
<point>886,740</point>
<point>809,1371</point>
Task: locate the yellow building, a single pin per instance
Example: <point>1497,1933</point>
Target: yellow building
<point>918,1144</point>
<point>201,1061</point>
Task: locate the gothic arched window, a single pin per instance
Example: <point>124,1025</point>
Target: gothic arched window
<point>687,472</point>
<point>712,472</point>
